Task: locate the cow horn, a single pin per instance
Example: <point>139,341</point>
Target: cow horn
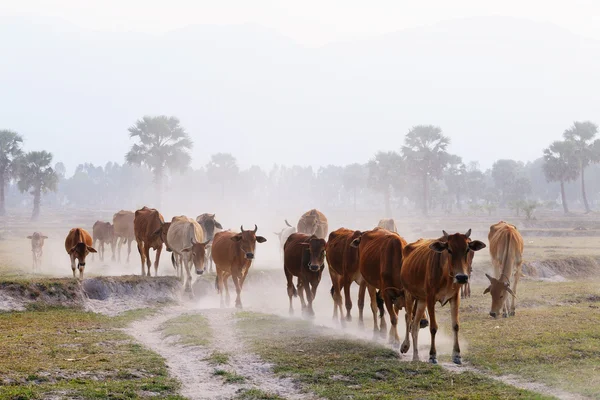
<point>468,234</point>
<point>445,234</point>
<point>287,223</point>
<point>241,228</point>
<point>490,278</point>
<point>194,241</point>
<point>255,228</point>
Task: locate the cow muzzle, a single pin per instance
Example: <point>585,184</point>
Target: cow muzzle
<point>250,256</point>
<point>199,271</point>
<point>461,279</point>
<point>314,267</point>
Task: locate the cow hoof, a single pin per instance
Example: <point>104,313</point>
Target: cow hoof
<point>238,305</point>
<point>504,315</point>
<point>349,318</point>
<point>424,324</point>
<point>433,360</point>
<point>405,347</point>
<point>457,360</point>
<point>512,314</point>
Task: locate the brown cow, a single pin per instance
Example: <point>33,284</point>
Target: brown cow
<point>124,232</point>
<point>150,232</point>
<point>103,232</point>
<point>210,226</point>
<point>304,258</point>
<point>78,245</point>
<point>432,271</point>
<point>233,254</point>
<point>313,222</point>
<point>37,245</point>
<point>342,260</point>
<point>389,224</point>
<point>506,249</point>
<point>380,262</point>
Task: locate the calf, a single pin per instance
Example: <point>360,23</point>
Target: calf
<point>233,254</point>
<point>432,271</point>
<point>78,245</point>
<point>37,245</point>
<point>304,258</point>
<point>103,232</point>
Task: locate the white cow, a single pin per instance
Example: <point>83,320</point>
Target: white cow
<point>284,235</point>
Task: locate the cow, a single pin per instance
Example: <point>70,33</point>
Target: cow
<point>186,239</point>
<point>124,232</point>
<point>210,226</point>
<point>150,232</point>
<point>389,224</point>
<point>303,258</point>
<point>103,232</point>
<point>78,245</point>
<point>37,245</point>
<point>313,222</point>
<point>284,235</point>
<point>432,271</point>
<point>233,254</point>
<point>506,249</point>
<point>342,260</point>
<point>380,262</point>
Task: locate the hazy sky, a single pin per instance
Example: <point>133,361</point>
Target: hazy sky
<point>310,22</point>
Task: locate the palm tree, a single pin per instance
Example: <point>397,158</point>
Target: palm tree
<point>385,171</point>
<point>36,176</point>
<point>425,154</point>
<point>586,149</point>
<point>162,144</point>
<point>10,150</point>
<point>354,178</point>
<point>561,165</point>
<point>222,169</point>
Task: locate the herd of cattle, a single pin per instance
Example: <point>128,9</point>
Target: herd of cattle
<point>396,274</point>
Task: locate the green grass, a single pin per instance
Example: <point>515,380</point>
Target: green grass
<point>257,394</point>
<point>190,329</point>
<point>218,358</point>
<point>230,377</point>
<point>341,368</point>
<point>70,353</point>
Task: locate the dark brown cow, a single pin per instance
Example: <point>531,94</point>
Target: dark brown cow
<point>233,254</point>
<point>37,245</point>
<point>432,271</point>
<point>380,263</point>
<point>103,232</point>
<point>78,245</point>
<point>210,226</point>
<point>304,258</point>
<point>342,260</point>
<point>150,232</point>
<point>124,232</point>
<point>313,222</point>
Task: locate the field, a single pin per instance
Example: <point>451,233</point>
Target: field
<point>123,336</point>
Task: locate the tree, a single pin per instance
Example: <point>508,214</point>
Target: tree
<point>222,169</point>
<point>425,154</point>
<point>587,150</point>
<point>385,170</point>
<point>60,169</point>
<point>354,178</point>
<point>10,150</point>
<point>475,184</point>
<point>509,180</point>
<point>162,144</point>
<point>36,176</point>
<point>455,177</point>
<point>561,165</point>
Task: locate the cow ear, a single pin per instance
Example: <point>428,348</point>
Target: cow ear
<point>72,249</point>
<point>438,246</point>
<point>355,243</point>
<point>260,239</point>
<point>236,238</point>
<point>487,290</point>
<point>29,237</point>
<point>186,250</point>
<point>91,249</point>
<point>218,225</point>
<point>476,245</point>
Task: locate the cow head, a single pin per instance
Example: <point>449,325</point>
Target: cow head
<point>459,247</point>
<point>316,250</point>
<point>499,291</point>
<point>247,241</point>
<point>80,252</point>
<point>37,240</point>
<point>209,223</point>
<point>161,233</point>
<point>198,252</point>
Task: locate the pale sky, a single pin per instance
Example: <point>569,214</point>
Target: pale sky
<point>309,22</point>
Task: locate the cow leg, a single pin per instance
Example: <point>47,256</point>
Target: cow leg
<point>394,338</point>
<point>514,289</point>
<point>157,260</point>
<point>308,311</point>
<point>238,289</point>
<point>300,287</point>
<point>291,289</point>
<point>101,256</point>
<point>188,283</point>
<point>119,247</point>
<point>73,265</point>
<point>128,249</point>
<point>408,315</point>
<point>140,247</point>
<point>454,304</point>
<point>348,300</point>
<point>374,309</point>
<point>361,303</point>
<point>433,327</point>
<point>112,250</point>
<point>414,327</point>
<point>336,294</point>
<point>220,284</point>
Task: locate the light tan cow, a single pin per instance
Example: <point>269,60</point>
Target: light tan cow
<point>124,231</point>
<point>389,224</point>
<point>37,245</point>
<point>78,245</point>
<point>506,249</point>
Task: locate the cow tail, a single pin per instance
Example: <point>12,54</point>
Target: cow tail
<point>217,283</point>
<point>173,260</point>
<point>332,291</point>
<point>508,257</point>
<point>380,303</point>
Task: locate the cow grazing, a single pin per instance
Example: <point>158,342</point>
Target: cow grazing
<point>284,235</point>
<point>506,249</point>
<point>303,258</point>
<point>342,260</point>
<point>37,246</point>
<point>432,271</point>
<point>150,232</point>
<point>389,224</point>
<point>233,254</point>
<point>380,263</point>
<point>210,226</point>
<point>78,245</point>
<point>124,232</point>
<point>313,222</point>
<point>185,238</point>
<point>103,232</point>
